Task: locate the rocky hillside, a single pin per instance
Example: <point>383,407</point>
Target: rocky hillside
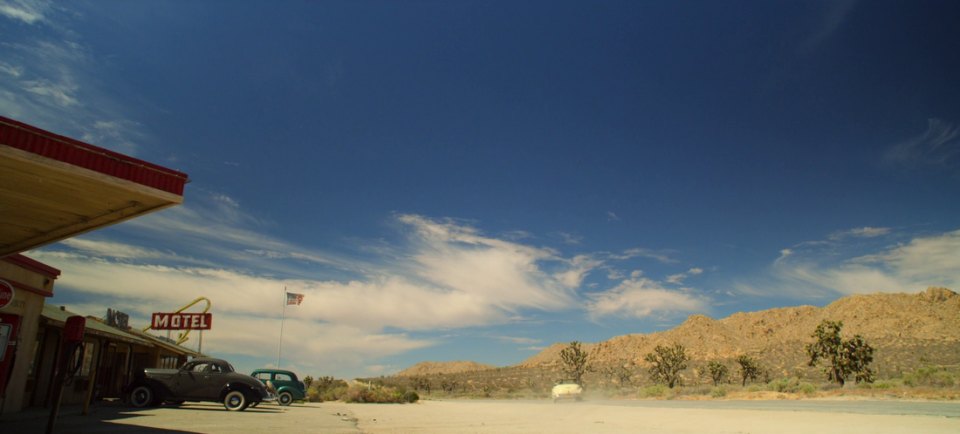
<point>907,330</point>
<point>432,368</point>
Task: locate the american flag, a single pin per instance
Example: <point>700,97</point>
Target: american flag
<point>294,298</point>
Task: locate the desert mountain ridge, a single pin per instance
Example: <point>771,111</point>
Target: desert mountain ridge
<point>432,368</point>
<point>907,331</point>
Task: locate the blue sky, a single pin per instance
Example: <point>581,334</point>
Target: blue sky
<point>477,180</point>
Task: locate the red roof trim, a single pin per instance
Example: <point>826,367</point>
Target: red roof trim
<point>28,288</point>
<point>32,265</point>
<point>46,144</point>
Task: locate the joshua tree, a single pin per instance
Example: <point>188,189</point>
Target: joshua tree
<point>841,358</point>
<point>420,383</point>
<point>666,364</point>
<point>749,368</point>
<point>574,361</point>
<point>718,372</point>
<point>307,381</point>
<point>622,374</point>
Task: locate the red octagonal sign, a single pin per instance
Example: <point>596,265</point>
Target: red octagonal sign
<point>6,293</point>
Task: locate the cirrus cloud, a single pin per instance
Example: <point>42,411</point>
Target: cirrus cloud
<point>827,269</point>
<point>640,297</point>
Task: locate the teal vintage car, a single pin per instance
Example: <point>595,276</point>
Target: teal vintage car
<point>285,384</point>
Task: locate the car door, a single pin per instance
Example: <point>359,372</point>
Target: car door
<point>282,380</point>
<point>265,378</point>
<point>189,380</point>
<point>210,381</point>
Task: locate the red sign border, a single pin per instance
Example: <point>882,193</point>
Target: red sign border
<point>208,320</point>
<point>13,292</point>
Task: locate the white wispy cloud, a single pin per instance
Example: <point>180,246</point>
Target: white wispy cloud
<point>61,93</point>
<point>833,17</point>
<point>864,232</point>
<point>448,275</point>
<point>213,225</point>
<point>335,328</point>
<point>508,275</point>
<point>939,145</point>
<point>612,216</point>
<point>49,80</point>
<point>568,238</point>
<point>518,340</point>
<point>107,249</point>
<point>923,261</point>
<point>122,134</point>
<point>680,277</point>
<point>660,256</point>
<point>640,297</point>
<point>27,11</point>
<point>12,71</point>
<point>580,266</point>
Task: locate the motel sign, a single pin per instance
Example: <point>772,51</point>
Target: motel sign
<point>181,321</point>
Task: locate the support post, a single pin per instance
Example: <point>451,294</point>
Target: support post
<point>283,316</point>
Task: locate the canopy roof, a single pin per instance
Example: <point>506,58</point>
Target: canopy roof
<point>53,187</point>
<point>58,315</point>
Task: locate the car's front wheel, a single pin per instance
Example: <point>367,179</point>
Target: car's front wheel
<point>285,398</point>
<point>235,400</point>
<point>142,396</point>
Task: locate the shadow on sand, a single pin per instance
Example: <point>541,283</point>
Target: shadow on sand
<point>104,417</point>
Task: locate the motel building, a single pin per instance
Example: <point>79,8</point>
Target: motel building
<point>52,188</point>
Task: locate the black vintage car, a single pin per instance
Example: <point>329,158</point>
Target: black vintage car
<point>202,379</point>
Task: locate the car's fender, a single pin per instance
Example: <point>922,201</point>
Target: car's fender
<point>293,391</point>
<point>160,389</point>
<point>252,394</point>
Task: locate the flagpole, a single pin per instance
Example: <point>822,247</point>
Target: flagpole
<point>282,318</point>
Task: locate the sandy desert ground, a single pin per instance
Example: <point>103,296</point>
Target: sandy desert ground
<point>503,416</point>
<point>587,417</point>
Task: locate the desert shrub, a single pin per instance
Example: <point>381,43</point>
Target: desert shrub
<point>882,385</point>
<point>931,376</point>
<point>809,389</point>
<point>829,386</point>
<point>655,391</point>
<point>697,390</point>
<point>373,394</point>
<point>718,392</point>
<point>333,394</point>
<point>411,397</point>
<point>785,385</point>
<point>326,388</point>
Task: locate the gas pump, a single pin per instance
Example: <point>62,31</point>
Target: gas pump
<point>73,346</point>
<point>68,362</point>
<point>9,329</point>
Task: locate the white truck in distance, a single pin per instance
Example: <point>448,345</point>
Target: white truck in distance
<point>567,389</point>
